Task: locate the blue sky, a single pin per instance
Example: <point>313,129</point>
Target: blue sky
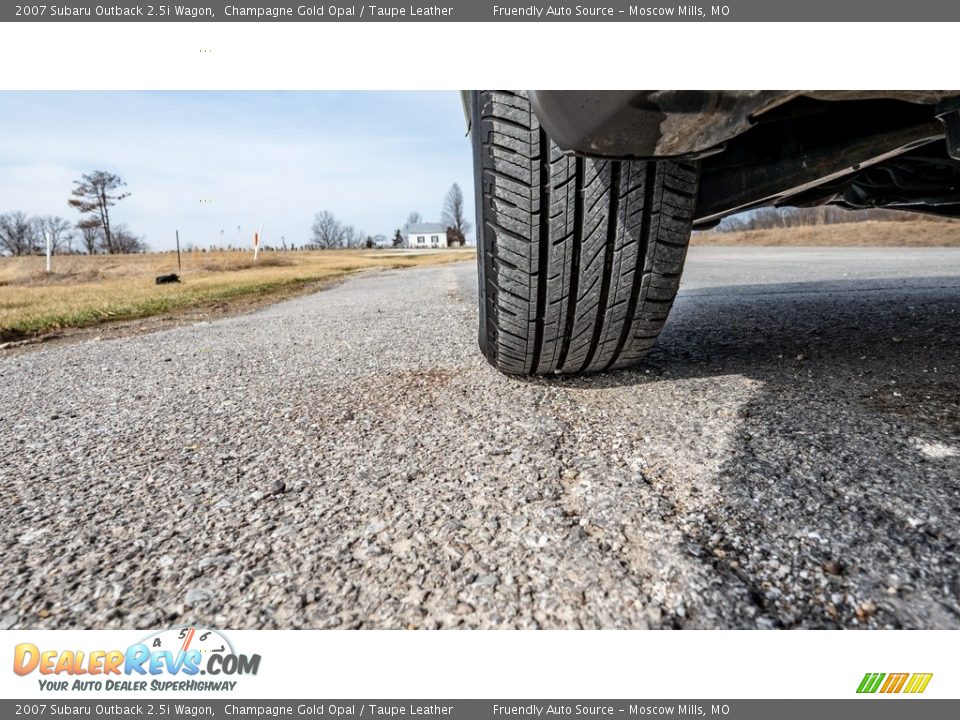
<point>274,158</point>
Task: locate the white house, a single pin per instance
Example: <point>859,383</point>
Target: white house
<point>426,235</point>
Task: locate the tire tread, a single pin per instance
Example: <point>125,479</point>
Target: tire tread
<point>580,258</point>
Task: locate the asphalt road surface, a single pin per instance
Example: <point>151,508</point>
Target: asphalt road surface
<point>788,456</point>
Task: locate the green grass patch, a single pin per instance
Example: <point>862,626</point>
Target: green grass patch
<point>181,298</point>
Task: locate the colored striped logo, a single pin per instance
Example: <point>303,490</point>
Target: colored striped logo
<point>913,683</point>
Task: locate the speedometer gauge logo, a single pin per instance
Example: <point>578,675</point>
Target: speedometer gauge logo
<point>184,639</point>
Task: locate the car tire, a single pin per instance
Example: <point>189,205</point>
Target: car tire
<point>579,258</point>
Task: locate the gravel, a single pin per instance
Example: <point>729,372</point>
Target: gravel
<point>788,456</point>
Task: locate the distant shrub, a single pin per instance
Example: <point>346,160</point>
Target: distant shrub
<point>770,218</point>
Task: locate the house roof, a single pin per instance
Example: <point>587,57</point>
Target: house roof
<point>422,228</point>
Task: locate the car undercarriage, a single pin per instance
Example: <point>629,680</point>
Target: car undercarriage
<point>854,149</point>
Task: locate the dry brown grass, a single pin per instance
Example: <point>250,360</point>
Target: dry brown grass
<point>85,290</point>
<point>914,233</point>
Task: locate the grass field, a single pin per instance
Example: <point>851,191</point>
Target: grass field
<point>911,233</point>
<point>83,290</point>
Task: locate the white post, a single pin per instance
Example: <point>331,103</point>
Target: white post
<point>49,249</point>
<point>257,241</point>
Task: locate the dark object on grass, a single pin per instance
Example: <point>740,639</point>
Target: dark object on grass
<point>171,278</point>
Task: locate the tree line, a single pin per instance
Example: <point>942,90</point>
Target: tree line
<point>787,217</point>
<point>96,193</point>
<point>93,195</point>
<point>329,233</point>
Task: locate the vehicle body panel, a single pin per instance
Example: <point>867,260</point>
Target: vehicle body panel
<point>653,124</point>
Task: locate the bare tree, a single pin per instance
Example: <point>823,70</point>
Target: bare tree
<point>412,219</point>
<point>359,238</point>
<point>18,234</point>
<point>94,194</point>
<point>58,229</point>
<point>328,232</point>
<point>453,215</point>
<point>90,235</point>
<point>397,238</point>
<point>125,241</point>
<point>349,237</point>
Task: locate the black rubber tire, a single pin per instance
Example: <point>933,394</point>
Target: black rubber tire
<point>579,259</point>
